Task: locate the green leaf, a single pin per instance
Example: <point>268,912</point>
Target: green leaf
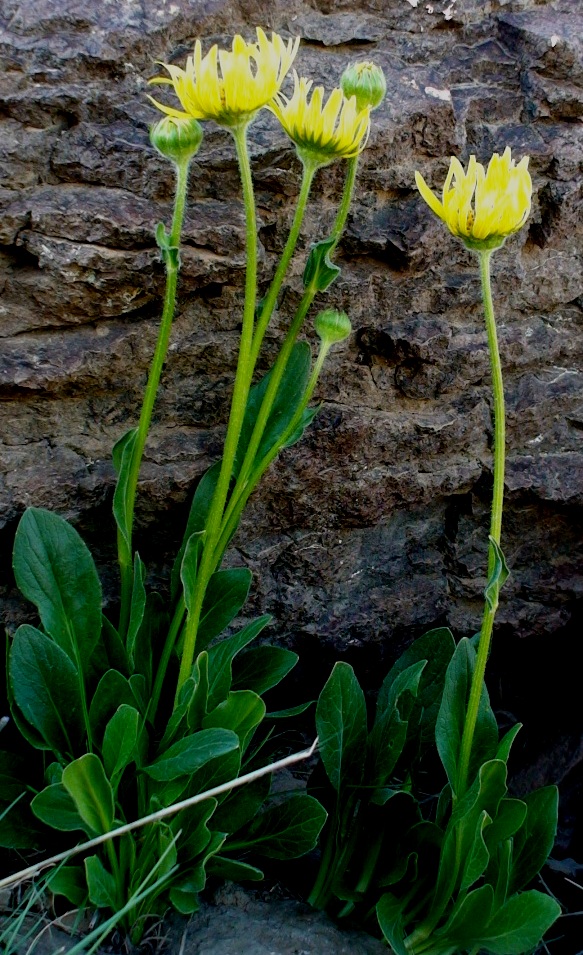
<point>290,712</point>
<point>86,782</point>
<point>534,840</point>
<point>225,595</point>
<point>308,415</point>
<point>468,919</point>
<point>197,518</point>
<point>242,805</point>
<point>189,566</point>
<point>452,716</point>
<point>45,685</point>
<point>55,807</point>
<point>192,823</point>
<point>241,712</point>
<point>179,713</point>
<point>320,272</point>
<point>55,571</point>
<point>120,740</point>
<point>69,880</point>
<point>286,830</point>
<point>287,399</point>
<point>219,770</point>
<point>506,742</point>
<point>475,862</point>
<point>508,820</point>
<point>123,452</point>
<point>101,884</point>
<point>262,668</point>
<point>138,609</point>
<point>342,727</point>
<point>115,657</point>
<point>199,703</point>
<point>232,870</point>
<point>222,654</point>
<point>390,915</point>
<point>497,578</point>
<point>520,924</point>
<point>112,690</point>
<point>389,732</point>
<point>191,753</point>
<point>436,647</point>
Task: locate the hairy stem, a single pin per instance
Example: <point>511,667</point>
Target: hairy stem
<point>238,404</point>
<point>125,549</point>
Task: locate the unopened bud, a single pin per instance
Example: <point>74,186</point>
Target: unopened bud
<point>332,326</point>
<point>177,139</point>
<point>366,82</point>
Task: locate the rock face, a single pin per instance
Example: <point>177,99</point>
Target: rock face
<point>374,527</point>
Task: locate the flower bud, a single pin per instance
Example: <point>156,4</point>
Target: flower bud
<point>177,139</point>
<point>366,82</point>
<point>332,326</point>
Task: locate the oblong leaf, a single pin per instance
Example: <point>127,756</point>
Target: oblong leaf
<point>191,753</point>
<point>286,830</point>
<point>225,595</point>
<point>261,668</point>
<point>86,782</point>
<point>45,686</point>
<point>342,727</point>
<point>55,571</point>
<point>54,806</point>
<point>520,924</point>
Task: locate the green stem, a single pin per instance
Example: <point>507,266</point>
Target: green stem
<point>125,549</point>
<point>495,523</point>
<point>238,404</point>
<point>309,170</point>
<point>243,490</point>
<point>174,630</point>
<point>344,206</point>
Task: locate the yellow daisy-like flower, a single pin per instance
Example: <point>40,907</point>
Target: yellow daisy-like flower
<point>229,86</point>
<point>483,207</point>
<point>322,132</point>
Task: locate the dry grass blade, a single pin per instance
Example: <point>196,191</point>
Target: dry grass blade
<point>160,814</point>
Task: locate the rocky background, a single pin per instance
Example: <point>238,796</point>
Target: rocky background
<point>374,527</point>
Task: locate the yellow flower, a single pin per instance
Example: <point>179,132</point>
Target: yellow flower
<point>322,132</point>
<point>483,207</point>
<point>229,86</point>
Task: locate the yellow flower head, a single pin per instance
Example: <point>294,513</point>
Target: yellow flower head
<point>483,207</point>
<point>229,86</point>
<point>322,132</point>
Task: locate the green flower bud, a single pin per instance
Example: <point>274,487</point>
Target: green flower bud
<point>366,82</point>
<point>177,139</point>
<point>332,326</point>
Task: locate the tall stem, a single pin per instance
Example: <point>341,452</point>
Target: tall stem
<point>238,405</point>
<point>495,523</point>
<point>309,170</point>
<point>247,481</point>
<point>125,549</point>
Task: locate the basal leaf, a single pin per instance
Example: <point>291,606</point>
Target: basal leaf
<point>45,686</point>
<point>120,740</point>
<point>342,727</point>
<point>86,782</point>
<point>225,595</point>
<point>534,840</point>
<point>221,656</point>
<point>191,753</point>
<point>55,571</point>
<point>261,668</point>
<point>390,915</point>
<point>520,924</point>
<point>451,718</point>
<point>54,806</point>
<point>101,884</point>
<point>286,830</point>
<point>241,712</point>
